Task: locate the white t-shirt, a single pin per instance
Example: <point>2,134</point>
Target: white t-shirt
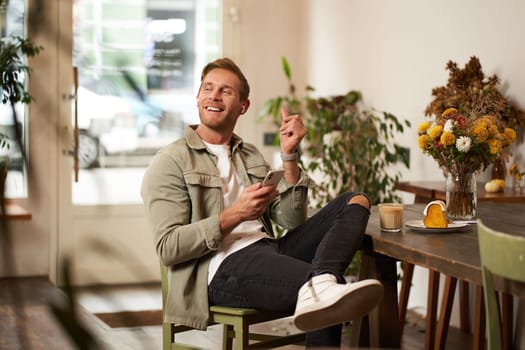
<point>247,232</point>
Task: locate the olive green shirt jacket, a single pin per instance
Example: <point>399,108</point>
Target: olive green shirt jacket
<point>182,194</point>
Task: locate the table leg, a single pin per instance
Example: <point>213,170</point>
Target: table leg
<point>446,310</point>
<point>507,313</point>
<point>478,341</point>
<point>384,326</point>
<point>433,291</point>
<point>464,304</point>
<point>406,284</point>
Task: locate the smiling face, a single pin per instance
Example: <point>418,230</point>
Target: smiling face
<point>220,105</point>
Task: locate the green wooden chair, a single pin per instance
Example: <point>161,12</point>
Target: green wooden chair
<point>236,329</point>
<point>502,255</point>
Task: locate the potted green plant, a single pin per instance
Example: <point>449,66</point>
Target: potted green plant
<point>13,50</point>
<point>351,145</point>
<point>13,70</point>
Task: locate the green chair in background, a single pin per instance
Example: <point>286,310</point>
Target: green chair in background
<point>236,329</point>
<point>503,255</point>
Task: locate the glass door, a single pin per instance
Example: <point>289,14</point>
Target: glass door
<point>137,66</point>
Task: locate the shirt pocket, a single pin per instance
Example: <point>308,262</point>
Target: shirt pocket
<point>257,172</point>
<point>202,180</point>
<point>206,191</point>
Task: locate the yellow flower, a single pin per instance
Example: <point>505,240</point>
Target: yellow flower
<point>510,134</point>
<point>423,127</point>
<point>481,123</point>
<point>487,119</point>
<point>462,143</point>
<point>515,172</point>
<point>480,132</point>
<point>423,141</point>
<point>449,111</point>
<point>495,146</point>
<point>448,138</point>
<point>493,130</point>
<point>435,131</point>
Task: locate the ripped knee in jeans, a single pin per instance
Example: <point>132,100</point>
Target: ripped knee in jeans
<point>360,199</point>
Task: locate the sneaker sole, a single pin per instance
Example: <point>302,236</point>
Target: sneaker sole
<point>351,306</point>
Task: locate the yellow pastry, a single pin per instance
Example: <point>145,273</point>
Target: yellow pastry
<point>435,215</point>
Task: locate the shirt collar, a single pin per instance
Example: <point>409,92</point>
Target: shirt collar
<point>194,141</point>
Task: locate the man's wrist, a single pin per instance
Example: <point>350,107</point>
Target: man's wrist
<point>289,157</point>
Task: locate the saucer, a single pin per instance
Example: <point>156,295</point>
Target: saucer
<point>418,226</point>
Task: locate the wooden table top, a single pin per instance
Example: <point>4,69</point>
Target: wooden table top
<point>428,190</point>
<point>14,211</point>
<point>453,253</point>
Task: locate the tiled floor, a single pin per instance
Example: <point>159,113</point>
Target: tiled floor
<point>31,325</point>
<point>120,298</point>
<point>148,297</point>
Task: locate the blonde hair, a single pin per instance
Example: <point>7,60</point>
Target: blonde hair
<point>229,65</point>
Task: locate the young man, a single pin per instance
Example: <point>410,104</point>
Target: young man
<point>211,218</point>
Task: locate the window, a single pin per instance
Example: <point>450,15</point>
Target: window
<point>139,67</point>
<point>12,23</point>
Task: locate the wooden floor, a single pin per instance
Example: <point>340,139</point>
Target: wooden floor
<point>26,322</point>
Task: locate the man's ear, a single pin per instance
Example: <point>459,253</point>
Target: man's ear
<point>245,106</point>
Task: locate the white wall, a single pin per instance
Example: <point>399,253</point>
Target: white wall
<point>395,52</point>
<point>269,30</point>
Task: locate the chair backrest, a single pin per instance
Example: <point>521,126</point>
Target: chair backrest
<point>501,254</point>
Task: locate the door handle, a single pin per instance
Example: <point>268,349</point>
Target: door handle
<point>75,123</point>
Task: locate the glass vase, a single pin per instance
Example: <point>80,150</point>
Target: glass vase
<point>499,169</point>
<point>519,184</point>
<point>461,195</point>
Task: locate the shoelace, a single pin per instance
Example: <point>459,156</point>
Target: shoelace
<point>313,291</point>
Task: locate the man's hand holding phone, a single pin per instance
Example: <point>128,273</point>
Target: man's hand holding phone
<point>252,202</point>
<point>273,177</point>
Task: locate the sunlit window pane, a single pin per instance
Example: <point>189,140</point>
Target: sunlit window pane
<point>137,86</point>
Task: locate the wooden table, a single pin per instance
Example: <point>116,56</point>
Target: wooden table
<point>15,212</point>
<point>426,191</point>
<point>455,254</point>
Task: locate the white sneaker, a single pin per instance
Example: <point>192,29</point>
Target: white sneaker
<point>322,302</point>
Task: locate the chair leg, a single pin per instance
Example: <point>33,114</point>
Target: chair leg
<point>406,283</point>
<point>227,340</point>
<point>167,336</point>
<point>241,335</point>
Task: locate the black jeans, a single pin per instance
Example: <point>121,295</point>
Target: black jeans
<point>267,275</point>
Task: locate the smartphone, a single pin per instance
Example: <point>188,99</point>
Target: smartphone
<point>273,177</point>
